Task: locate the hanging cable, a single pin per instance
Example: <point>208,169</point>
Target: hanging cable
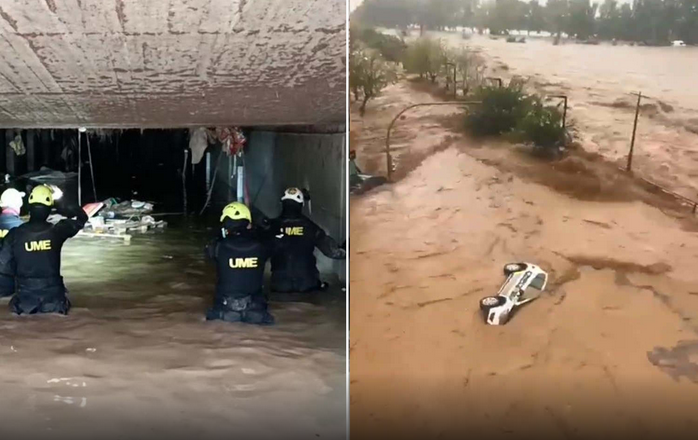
<point>213,182</point>
<point>79,168</point>
<point>92,171</point>
<point>184,180</point>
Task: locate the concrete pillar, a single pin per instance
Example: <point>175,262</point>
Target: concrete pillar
<point>9,152</point>
<point>31,157</point>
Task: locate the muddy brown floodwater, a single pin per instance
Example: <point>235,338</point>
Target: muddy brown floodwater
<point>135,358</point>
<point>609,351</point>
<point>599,81</point>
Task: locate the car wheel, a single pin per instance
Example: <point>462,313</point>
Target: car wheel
<point>488,302</point>
<point>513,267</point>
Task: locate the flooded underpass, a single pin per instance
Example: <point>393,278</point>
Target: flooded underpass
<point>136,357</point>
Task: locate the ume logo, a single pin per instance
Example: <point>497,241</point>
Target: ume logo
<point>33,246</point>
<point>243,263</point>
<point>298,230</point>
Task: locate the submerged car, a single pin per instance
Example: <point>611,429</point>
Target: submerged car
<point>524,283</point>
<point>359,182</point>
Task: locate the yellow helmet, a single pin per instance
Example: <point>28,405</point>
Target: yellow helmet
<point>41,194</point>
<point>237,211</point>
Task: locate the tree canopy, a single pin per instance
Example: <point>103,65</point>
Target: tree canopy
<point>648,21</point>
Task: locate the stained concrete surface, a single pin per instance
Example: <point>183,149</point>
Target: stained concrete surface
<point>171,63</point>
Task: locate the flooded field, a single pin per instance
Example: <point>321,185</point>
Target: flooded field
<point>599,81</point>
<point>136,359</point>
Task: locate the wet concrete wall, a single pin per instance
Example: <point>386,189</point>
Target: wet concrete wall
<point>275,161</point>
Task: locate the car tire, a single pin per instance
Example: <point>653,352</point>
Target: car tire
<point>488,302</point>
<point>513,267</point>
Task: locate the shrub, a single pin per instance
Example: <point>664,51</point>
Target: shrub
<point>509,110</point>
<point>501,110</point>
<point>542,125</point>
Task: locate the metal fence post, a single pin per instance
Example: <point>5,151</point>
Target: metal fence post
<point>388,156</point>
<point>632,140</point>
<point>564,112</point>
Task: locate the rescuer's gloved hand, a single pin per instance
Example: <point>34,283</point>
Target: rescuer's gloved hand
<point>56,191</point>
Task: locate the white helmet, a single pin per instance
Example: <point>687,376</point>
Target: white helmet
<point>12,198</point>
<point>294,194</point>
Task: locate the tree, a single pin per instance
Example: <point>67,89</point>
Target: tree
<point>536,17</point>
<point>557,12</point>
<point>369,75</point>
<point>392,48</point>
<point>481,17</point>
<point>425,57</point>
<point>388,13</point>
<point>609,21</point>
<point>687,24</point>
<point>465,14</point>
<point>626,29</point>
<point>650,21</point>
<point>507,15</point>
<point>356,73</point>
<point>470,68</point>
<point>582,15</point>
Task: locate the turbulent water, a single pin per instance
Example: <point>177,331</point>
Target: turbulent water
<point>599,80</point>
<point>615,333</point>
<point>135,358</point>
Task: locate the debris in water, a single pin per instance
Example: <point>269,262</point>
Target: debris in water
<point>677,361</point>
<point>68,400</point>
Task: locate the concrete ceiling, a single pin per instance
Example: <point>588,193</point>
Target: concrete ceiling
<point>171,63</point>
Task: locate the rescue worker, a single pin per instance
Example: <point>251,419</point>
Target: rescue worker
<point>11,203</point>
<point>35,250</point>
<point>240,256</point>
<point>293,266</point>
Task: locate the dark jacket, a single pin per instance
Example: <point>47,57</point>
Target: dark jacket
<point>294,266</point>
<point>36,246</point>
<point>32,253</point>
<point>240,260</point>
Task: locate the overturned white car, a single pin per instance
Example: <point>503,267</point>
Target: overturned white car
<point>524,283</point>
